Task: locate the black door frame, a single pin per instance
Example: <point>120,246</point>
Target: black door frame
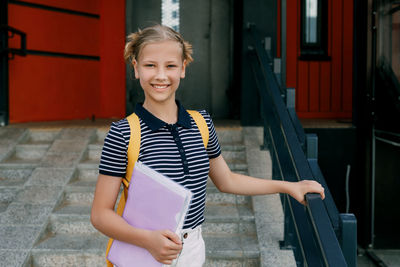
<point>4,110</point>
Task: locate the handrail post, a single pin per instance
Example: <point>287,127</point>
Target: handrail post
<point>288,229</point>
<point>312,146</point>
<point>267,45</point>
<point>348,238</point>
<point>277,70</point>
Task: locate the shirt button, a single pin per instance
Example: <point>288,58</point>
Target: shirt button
<point>185,235</point>
<point>185,162</point>
<point>176,139</point>
<point>181,150</point>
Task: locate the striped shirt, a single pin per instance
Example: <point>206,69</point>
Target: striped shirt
<point>175,150</point>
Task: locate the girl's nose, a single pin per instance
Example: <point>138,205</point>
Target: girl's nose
<point>160,75</point>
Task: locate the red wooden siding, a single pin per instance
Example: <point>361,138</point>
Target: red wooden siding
<point>87,6</point>
<point>323,88</point>
<point>112,65</point>
<point>46,87</point>
<point>55,31</point>
<point>53,88</point>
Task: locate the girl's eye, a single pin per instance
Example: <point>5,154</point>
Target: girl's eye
<point>171,66</point>
<point>149,65</point>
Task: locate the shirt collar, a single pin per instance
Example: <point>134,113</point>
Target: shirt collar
<point>155,123</point>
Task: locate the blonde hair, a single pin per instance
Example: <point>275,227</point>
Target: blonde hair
<point>157,33</point>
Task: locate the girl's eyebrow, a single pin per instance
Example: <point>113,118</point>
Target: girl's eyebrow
<point>155,61</point>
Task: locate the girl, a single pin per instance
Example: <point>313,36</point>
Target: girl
<point>172,145</point>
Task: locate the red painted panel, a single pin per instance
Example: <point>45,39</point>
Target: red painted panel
<point>347,84</point>
<point>324,91</point>
<point>291,44</point>
<point>325,86</point>
<point>54,31</point>
<point>314,78</point>
<point>337,43</point>
<point>112,65</point>
<point>88,6</point>
<point>324,115</point>
<point>330,27</point>
<point>53,88</point>
<point>302,92</point>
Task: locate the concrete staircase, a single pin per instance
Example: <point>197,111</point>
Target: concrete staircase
<point>47,180</point>
<point>229,230</point>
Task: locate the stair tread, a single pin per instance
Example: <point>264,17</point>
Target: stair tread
<point>69,242</point>
<point>236,245</point>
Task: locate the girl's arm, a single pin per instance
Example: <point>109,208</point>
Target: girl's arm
<point>229,182</point>
<point>163,245</point>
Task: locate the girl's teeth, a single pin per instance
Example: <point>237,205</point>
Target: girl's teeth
<point>160,86</point>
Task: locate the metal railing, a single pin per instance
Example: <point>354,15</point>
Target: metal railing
<point>317,233</point>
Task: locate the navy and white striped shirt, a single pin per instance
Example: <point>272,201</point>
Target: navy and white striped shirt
<point>175,150</point>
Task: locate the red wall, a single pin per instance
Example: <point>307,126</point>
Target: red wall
<point>112,66</point>
<point>45,87</point>
<point>323,88</point>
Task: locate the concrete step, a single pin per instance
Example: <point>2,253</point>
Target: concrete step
<point>27,153</point>
<point>215,197</point>
<point>238,167</point>
<point>85,176</point>
<point>233,250</point>
<point>40,258</point>
<point>230,135</point>
<point>69,240</point>
<point>234,155</point>
<point>99,137</point>
<point>75,200</point>
<point>92,154</point>
<point>14,176</point>
<point>31,146</point>
<point>31,151</point>
<point>40,136</point>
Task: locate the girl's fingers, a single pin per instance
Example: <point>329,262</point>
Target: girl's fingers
<point>172,236</point>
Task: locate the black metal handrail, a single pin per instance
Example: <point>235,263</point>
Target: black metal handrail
<point>312,231</point>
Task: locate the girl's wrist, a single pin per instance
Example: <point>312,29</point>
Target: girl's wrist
<point>291,188</point>
<point>142,237</point>
<point>286,187</point>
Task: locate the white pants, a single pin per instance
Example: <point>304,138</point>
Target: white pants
<point>193,253</point>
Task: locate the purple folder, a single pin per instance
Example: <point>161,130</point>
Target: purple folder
<point>154,202</point>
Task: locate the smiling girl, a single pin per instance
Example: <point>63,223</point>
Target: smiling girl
<point>172,145</point>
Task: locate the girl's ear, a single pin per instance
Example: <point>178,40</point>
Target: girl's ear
<point>135,67</point>
<point>183,69</point>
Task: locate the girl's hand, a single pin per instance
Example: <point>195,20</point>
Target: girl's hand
<point>164,245</point>
<point>299,189</point>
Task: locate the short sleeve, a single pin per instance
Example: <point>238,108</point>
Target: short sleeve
<point>213,147</point>
<point>113,159</point>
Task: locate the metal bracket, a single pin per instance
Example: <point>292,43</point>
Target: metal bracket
<point>11,32</point>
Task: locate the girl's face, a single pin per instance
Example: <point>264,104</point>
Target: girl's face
<point>159,69</point>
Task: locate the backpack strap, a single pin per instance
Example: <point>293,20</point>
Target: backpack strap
<point>133,155</point>
<point>133,147</point>
<point>201,124</point>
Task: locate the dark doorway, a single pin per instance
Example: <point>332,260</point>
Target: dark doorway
<point>208,25</point>
<point>386,132</point>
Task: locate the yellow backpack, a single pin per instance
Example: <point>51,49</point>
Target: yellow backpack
<point>133,154</point>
